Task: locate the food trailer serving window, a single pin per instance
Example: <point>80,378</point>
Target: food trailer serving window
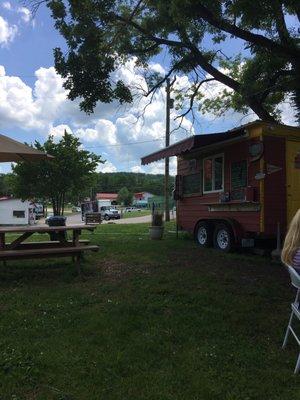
<point>213,174</point>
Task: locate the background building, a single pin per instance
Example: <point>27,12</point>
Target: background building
<point>15,211</point>
<point>106,199</point>
<point>140,199</point>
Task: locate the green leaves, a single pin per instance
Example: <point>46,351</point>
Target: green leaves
<point>125,197</point>
<point>102,35</point>
<point>68,175</point>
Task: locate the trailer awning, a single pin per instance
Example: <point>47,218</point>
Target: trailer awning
<point>193,143</point>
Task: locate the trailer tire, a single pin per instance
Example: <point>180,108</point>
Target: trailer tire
<point>223,238</point>
<point>204,234</point>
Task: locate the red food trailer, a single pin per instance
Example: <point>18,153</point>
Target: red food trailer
<point>237,186</point>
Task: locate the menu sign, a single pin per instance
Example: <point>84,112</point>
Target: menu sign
<point>238,174</point>
<point>192,184</point>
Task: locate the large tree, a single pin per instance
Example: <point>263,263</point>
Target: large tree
<point>124,196</point>
<point>134,182</point>
<point>6,188</point>
<point>102,34</point>
<point>67,176</point>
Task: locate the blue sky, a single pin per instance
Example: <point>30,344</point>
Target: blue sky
<point>34,103</point>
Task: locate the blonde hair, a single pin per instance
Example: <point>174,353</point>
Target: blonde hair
<point>292,240</point>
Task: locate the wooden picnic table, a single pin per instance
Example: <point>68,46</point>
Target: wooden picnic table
<point>18,248</point>
<point>27,231</point>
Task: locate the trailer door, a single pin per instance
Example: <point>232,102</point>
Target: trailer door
<point>292,178</point>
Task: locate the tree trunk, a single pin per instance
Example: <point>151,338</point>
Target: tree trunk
<point>260,111</point>
<point>63,204</point>
<point>57,206</point>
<point>53,206</point>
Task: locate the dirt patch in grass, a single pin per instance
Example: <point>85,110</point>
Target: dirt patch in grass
<point>114,270</point>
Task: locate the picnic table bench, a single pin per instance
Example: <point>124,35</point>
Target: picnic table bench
<point>19,249</point>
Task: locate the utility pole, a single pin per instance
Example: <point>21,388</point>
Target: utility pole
<point>169,105</point>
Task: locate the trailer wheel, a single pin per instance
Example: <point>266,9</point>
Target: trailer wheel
<point>223,238</point>
<point>203,234</point>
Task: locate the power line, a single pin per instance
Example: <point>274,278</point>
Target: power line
<point>124,144</point>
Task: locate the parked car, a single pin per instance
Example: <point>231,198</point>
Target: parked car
<point>109,213</point>
<point>76,209</point>
<point>131,209</point>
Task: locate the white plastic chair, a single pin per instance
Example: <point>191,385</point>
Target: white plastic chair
<point>295,281</point>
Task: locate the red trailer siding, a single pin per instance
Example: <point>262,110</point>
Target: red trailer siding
<point>194,207</point>
<point>275,184</point>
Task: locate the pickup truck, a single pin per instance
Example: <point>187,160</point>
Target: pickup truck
<point>109,213</point>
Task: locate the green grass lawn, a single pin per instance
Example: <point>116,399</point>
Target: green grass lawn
<point>133,214</point>
<point>151,320</point>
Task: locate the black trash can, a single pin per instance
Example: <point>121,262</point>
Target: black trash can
<point>57,220</point>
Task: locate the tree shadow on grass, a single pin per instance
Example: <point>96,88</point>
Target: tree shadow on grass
<point>37,272</point>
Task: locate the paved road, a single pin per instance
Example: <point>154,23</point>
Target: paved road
<point>76,219</point>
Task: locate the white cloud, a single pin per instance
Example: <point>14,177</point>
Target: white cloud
<point>6,5</point>
<point>7,32</point>
<point>120,132</point>
<point>288,112</point>
<point>17,107</point>
<point>25,14</point>
<point>22,13</point>
<point>104,132</point>
<point>106,167</point>
<point>46,105</point>
<point>157,68</point>
<point>159,167</point>
<point>137,169</point>
<point>58,131</point>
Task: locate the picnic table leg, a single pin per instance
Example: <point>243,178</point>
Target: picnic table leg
<point>76,234</point>
<point>2,245</point>
<point>2,241</point>
<point>14,245</point>
<point>75,240</point>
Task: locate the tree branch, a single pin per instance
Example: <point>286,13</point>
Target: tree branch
<point>135,9</point>
<point>256,39</point>
<point>162,81</point>
<point>192,99</point>
<point>253,102</point>
<point>149,35</point>
<point>280,23</point>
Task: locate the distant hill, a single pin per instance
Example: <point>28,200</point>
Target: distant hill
<point>135,182</point>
